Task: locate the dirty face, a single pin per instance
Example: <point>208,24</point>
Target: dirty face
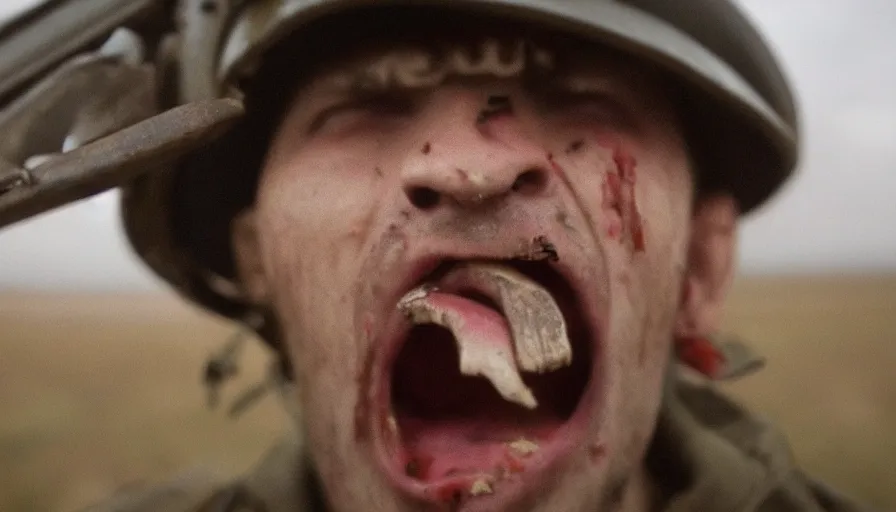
<point>477,256</point>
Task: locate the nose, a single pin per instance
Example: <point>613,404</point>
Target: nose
<point>474,155</point>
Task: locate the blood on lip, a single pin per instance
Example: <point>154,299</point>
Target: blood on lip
<point>514,463</point>
<point>448,493</point>
<point>596,451</point>
<point>453,490</point>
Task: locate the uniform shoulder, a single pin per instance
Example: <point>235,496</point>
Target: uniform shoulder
<point>760,445</point>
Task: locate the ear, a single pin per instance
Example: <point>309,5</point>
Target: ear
<point>247,258</point>
<point>711,266</point>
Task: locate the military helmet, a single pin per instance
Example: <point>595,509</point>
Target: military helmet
<point>741,115</point>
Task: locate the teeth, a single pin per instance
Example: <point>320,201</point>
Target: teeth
<point>497,366</point>
<point>536,323</point>
<point>524,447</point>
<point>393,425</point>
<point>418,293</point>
<point>478,356</point>
<point>481,486</point>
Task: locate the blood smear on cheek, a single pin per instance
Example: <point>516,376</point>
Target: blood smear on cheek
<point>368,325</point>
<point>597,451</point>
<point>625,163</point>
<point>611,191</point>
<point>614,229</point>
<point>631,217</point>
<point>554,165</point>
<point>638,234</point>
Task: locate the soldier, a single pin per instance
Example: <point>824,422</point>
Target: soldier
<point>491,241</point>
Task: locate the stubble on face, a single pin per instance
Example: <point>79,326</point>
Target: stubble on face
<point>338,228</point>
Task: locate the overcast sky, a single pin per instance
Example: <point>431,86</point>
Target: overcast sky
<point>839,214</point>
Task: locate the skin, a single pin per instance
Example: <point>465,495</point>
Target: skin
<point>336,226</point>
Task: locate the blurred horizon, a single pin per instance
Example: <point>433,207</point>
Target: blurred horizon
<point>104,391</point>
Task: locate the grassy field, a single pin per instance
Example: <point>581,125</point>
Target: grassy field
<point>100,391</point>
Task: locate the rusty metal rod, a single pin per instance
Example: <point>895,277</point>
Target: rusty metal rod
<point>118,158</point>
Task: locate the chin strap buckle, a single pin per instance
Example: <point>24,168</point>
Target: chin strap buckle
<point>224,366</point>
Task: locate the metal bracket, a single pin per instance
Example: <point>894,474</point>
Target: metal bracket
<point>12,177</point>
<point>202,30</point>
<point>88,126</point>
<point>118,158</point>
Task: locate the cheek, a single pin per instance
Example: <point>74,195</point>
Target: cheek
<point>312,216</point>
<point>637,204</point>
<point>324,198</point>
<point>321,197</point>
<point>633,198</point>
<point>664,206</point>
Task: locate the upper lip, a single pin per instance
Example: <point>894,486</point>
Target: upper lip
<point>388,345</point>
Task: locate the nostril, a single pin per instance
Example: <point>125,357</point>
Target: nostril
<point>423,198</point>
<point>530,182</point>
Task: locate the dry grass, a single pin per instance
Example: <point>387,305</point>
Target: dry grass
<point>96,392</point>
<point>831,347</point>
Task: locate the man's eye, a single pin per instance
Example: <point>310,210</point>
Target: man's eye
<point>366,109</point>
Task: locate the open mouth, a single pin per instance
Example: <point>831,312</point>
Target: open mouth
<point>493,369</point>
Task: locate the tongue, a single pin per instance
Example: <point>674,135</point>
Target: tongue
<point>483,340</point>
<point>531,333</point>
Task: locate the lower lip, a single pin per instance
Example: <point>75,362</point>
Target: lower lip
<point>390,455</point>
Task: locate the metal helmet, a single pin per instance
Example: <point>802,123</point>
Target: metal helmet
<point>742,119</point>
